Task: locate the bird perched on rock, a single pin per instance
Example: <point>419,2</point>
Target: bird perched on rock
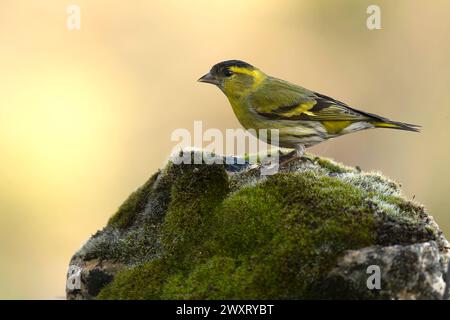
<point>303,117</point>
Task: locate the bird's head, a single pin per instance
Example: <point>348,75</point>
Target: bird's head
<point>234,77</point>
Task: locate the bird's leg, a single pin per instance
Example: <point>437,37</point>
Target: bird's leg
<point>296,154</point>
<point>300,149</point>
<point>301,154</point>
<point>288,157</point>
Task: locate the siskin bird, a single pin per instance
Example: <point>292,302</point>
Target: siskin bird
<point>303,117</point>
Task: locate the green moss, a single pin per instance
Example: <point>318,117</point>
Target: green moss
<point>134,246</point>
<point>227,232</point>
<point>394,200</point>
<point>135,203</point>
<point>141,282</point>
<point>292,228</point>
<point>276,239</point>
<point>332,166</point>
<point>194,195</point>
<point>217,278</point>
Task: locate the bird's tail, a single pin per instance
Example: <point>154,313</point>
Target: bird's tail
<point>396,125</point>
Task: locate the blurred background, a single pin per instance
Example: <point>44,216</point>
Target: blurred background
<point>86,115</point>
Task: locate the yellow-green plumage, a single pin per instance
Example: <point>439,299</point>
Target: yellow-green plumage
<point>303,117</point>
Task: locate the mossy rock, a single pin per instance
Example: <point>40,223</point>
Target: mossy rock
<point>226,232</point>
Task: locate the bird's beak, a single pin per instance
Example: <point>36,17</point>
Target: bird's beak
<point>209,78</point>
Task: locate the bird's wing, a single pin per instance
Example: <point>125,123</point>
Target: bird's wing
<point>280,100</point>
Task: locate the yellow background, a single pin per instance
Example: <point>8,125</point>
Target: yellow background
<point>86,116</point>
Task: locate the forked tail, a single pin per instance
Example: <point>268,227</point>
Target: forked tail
<point>397,125</point>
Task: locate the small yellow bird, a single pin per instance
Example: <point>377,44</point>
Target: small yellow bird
<point>303,117</point>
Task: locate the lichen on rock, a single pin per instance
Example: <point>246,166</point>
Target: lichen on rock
<point>198,231</point>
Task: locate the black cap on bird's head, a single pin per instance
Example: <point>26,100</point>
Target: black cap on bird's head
<point>223,70</point>
<point>226,65</point>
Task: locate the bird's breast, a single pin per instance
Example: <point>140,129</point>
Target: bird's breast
<point>247,117</point>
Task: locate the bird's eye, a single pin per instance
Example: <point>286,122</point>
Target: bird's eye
<point>227,73</point>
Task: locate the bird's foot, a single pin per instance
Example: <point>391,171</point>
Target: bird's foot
<point>288,158</point>
<point>297,154</point>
